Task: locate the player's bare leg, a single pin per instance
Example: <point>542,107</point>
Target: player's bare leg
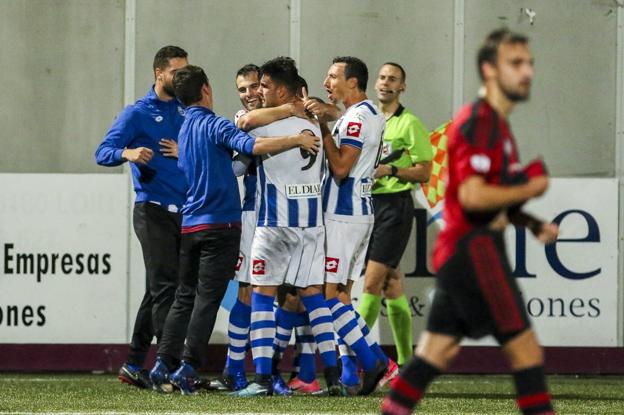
<point>526,359</point>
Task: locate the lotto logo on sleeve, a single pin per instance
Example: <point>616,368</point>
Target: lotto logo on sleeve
<point>331,264</point>
<point>258,267</point>
<point>353,129</point>
<point>239,263</point>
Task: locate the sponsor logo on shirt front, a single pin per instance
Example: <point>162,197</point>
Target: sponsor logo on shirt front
<point>303,191</point>
<point>366,189</point>
<point>354,128</point>
<point>331,264</point>
<point>258,267</point>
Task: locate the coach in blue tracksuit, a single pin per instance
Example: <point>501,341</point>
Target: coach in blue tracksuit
<point>210,225</point>
<point>145,135</point>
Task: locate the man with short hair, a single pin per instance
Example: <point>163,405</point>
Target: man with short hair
<point>476,294</point>
<point>352,151</point>
<point>145,135</point>
<point>406,160</point>
<point>288,241</point>
<point>248,87</point>
<point>210,225</point>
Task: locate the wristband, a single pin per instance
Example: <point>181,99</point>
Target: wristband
<point>393,171</point>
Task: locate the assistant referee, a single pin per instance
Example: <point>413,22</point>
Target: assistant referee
<point>406,159</point>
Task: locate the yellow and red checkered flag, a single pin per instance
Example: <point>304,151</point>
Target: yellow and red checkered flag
<point>435,188</point>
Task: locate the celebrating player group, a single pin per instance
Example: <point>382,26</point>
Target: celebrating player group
<point>328,188</point>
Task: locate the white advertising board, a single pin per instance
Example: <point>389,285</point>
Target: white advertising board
<point>570,287</point>
<point>63,258</point>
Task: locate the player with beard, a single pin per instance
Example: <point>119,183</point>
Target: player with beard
<point>145,135</point>
<point>476,295</point>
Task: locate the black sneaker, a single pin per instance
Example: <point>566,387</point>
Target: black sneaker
<point>138,378</point>
<point>372,378</point>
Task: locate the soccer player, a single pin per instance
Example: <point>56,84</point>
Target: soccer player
<point>288,245</point>
<point>145,135</point>
<point>406,160</point>
<point>233,378</point>
<point>476,294</point>
<point>352,151</point>
<point>210,225</point>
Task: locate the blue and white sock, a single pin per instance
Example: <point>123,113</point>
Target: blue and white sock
<point>306,346</point>
<point>347,327</point>
<point>349,374</point>
<point>284,323</point>
<point>238,334</point>
<point>322,326</point>
<point>262,333</point>
<point>369,338</point>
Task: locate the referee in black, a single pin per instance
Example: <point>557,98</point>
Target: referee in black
<point>145,135</point>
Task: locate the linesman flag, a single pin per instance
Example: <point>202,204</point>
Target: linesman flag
<point>434,190</point>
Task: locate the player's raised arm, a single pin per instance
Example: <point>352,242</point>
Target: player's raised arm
<point>263,116</point>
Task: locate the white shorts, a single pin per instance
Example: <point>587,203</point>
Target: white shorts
<point>294,256</point>
<point>248,223</point>
<point>345,247</point>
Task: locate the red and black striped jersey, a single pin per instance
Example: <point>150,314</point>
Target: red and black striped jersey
<point>480,143</point>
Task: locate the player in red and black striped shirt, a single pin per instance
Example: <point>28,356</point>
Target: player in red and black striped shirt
<point>475,293</point>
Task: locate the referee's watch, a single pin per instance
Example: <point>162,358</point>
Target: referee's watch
<point>393,171</point>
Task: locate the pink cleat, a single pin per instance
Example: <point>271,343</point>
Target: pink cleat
<point>299,386</point>
<point>391,374</point>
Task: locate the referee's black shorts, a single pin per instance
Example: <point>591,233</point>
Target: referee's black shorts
<point>394,216</point>
<point>475,293</point>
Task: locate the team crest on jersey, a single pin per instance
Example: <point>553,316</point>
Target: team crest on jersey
<point>480,163</point>
<point>386,148</point>
<point>331,264</point>
<point>258,267</point>
<point>239,263</point>
<point>353,129</point>
<point>158,118</point>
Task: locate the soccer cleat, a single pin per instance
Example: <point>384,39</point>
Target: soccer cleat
<point>185,379</point>
<point>253,389</point>
<point>391,373</point>
<point>279,386</point>
<point>222,383</point>
<point>229,382</point>
<point>159,375</point>
<point>299,386</point>
<point>350,390</point>
<point>332,377</point>
<point>372,378</point>
<point>138,378</point>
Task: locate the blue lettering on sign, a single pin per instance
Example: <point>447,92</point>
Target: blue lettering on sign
<point>593,236</point>
<point>520,269</point>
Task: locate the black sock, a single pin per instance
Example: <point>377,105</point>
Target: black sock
<point>408,390</point>
<point>532,393</point>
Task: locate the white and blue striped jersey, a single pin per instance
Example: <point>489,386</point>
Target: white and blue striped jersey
<point>289,183</point>
<point>350,199</point>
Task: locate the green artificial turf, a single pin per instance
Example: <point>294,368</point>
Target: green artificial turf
<point>448,395</point>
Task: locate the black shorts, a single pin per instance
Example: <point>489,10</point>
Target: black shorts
<point>394,216</point>
<point>475,293</point>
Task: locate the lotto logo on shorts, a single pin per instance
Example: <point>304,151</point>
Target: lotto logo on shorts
<point>258,267</point>
<point>239,263</point>
<point>331,264</point>
<point>354,128</point>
